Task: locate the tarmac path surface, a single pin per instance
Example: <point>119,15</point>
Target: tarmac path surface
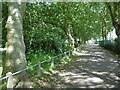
<point>93,67</point>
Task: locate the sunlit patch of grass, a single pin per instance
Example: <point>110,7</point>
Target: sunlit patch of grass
<point>44,81</point>
<point>66,60</point>
<point>47,72</point>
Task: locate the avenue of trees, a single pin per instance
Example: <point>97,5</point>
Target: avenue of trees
<point>35,31</point>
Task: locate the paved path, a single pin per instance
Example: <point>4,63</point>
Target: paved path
<point>92,68</point>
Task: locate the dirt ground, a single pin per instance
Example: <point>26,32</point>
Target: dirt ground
<point>93,67</point>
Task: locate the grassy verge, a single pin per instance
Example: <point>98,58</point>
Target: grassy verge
<point>48,77</point>
<point>47,74</point>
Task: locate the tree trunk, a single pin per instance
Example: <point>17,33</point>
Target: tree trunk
<point>0,25</point>
<point>115,16</point>
<point>66,26</point>
<point>70,38</point>
<point>105,30</point>
<point>103,33</point>
<point>15,54</point>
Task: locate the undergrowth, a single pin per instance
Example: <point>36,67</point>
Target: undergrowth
<point>47,73</point>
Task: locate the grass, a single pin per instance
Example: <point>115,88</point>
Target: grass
<point>47,72</point>
<point>48,78</point>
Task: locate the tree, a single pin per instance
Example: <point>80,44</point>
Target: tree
<point>60,17</point>
<point>114,11</point>
<point>0,25</point>
<point>15,54</point>
<point>75,21</point>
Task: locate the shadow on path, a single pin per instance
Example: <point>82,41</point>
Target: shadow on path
<point>92,68</point>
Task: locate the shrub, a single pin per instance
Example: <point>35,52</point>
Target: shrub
<point>112,46</point>
<point>117,45</point>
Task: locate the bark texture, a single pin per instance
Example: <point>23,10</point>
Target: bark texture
<point>70,38</point>
<point>15,54</point>
<point>115,15</point>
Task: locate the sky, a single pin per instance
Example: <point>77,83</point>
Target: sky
<point>112,35</point>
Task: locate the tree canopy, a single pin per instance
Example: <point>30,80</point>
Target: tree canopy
<point>44,29</point>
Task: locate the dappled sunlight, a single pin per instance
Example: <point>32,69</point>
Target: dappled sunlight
<point>95,80</point>
<point>68,73</point>
<point>92,69</point>
<point>71,38</point>
<point>100,73</point>
<point>80,80</point>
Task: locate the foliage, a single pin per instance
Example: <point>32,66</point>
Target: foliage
<point>4,19</point>
<point>117,45</point>
<point>45,25</point>
<point>111,45</point>
<point>40,36</point>
<point>48,26</point>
